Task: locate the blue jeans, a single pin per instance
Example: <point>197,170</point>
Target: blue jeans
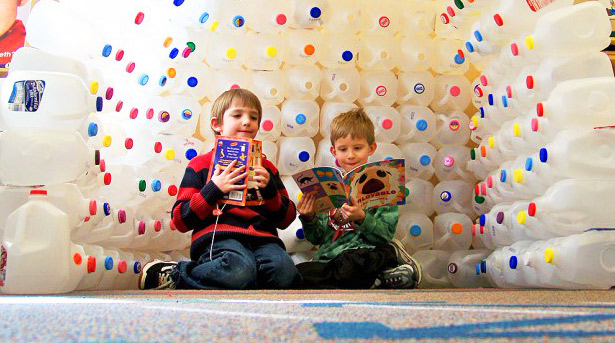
<point>236,265</point>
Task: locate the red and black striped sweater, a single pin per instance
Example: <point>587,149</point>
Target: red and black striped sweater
<point>197,199</point>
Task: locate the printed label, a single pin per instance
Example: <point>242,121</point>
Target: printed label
<point>26,95</point>
<point>535,5</point>
<point>3,258</point>
<point>419,88</point>
<point>381,91</point>
<point>453,125</point>
<point>452,268</point>
<point>384,21</point>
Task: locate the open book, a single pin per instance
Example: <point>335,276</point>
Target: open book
<point>247,152</point>
<point>373,184</point>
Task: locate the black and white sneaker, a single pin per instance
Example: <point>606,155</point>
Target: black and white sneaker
<point>404,258</point>
<point>400,277</point>
<point>157,275</point>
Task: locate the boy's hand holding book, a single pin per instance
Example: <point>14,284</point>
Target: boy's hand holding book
<point>353,212</point>
<point>305,206</point>
<point>226,180</point>
<point>261,176</point>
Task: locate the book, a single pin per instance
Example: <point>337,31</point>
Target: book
<point>373,184</point>
<point>247,152</point>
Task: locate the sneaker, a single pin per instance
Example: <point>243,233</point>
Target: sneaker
<point>404,258</point>
<point>400,277</point>
<point>157,275</point>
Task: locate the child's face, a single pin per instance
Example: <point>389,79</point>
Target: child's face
<point>239,120</point>
<point>352,152</point>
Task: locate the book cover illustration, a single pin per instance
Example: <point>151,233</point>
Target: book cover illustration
<point>373,184</point>
<point>247,152</point>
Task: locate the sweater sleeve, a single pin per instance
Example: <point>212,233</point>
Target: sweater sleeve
<point>196,199</point>
<point>379,225</point>
<point>280,208</point>
<point>315,229</point>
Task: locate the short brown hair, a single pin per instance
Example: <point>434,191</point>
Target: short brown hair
<point>355,123</point>
<point>224,101</point>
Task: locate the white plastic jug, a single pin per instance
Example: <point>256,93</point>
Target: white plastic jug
<point>451,128</point>
<point>226,79</point>
<point>346,16</point>
<point>464,268</point>
<point>386,151</point>
<point>294,238</point>
<point>271,124</point>
<point>225,51</point>
<point>450,163</point>
<point>415,52</point>
<point>300,118</point>
<point>264,51</point>
<point>303,81</point>
<point>419,159</point>
<point>324,156</point>
<point>419,124</point>
<point>268,86</point>
<point>340,85</point>
<point>338,50</point>
<point>452,231</point>
<point>295,154</point>
<point>451,92</point>
<point>445,57</point>
<point>434,265</point>
<point>308,13</point>
<point>380,16</point>
<point>36,244</point>
<point>387,122</point>
<point>418,197</point>
<point>330,110</point>
<point>453,196</point>
<point>303,47</point>
<point>416,88</point>
<point>377,52</point>
<point>415,231</point>
<point>271,17</point>
<point>378,88</point>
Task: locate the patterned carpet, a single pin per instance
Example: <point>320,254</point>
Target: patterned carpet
<point>459,315</point>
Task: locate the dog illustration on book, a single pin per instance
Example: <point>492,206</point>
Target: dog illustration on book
<point>375,183</point>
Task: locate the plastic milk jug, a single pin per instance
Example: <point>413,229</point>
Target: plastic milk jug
<point>452,92</point>
<point>464,268</point>
<point>340,85</point>
<point>419,159</point>
<point>452,231</point>
<point>453,196</point>
<point>381,16</point>
<point>387,122</point>
<point>269,86</point>
<point>377,52</point>
<point>386,151</point>
<point>416,88</point>
<point>324,156</point>
<point>303,47</point>
<point>346,16</point>
<point>271,124</point>
<point>295,154</point>
<point>378,88</point>
<point>415,231</point>
<point>264,51</point>
<point>294,238</point>
<point>300,118</point>
<point>338,50</point>
<point>415,53</point>
<point>418,197</point>
<point>303,82</point>
<point>308,14</point>
<point>434,264</point>
<point>419,124</point>
<point>450,163</point>
<point>452,128</point>
<point>331,110</point>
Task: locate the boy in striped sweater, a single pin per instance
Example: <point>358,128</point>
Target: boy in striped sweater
<point>232,247</point>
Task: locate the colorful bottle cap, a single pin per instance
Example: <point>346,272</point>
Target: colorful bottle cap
<point>347,55</point>
<point>473,154</point>
<point>445,20</point>
<point>271,52</point>
<point>476,189</point>
<point>169,155</point>
<point>300,234</point>
<point>106,142</point>
<point>238,21</point>
<point>142,185</point>
<point>473,123</point>
<point>91,264</point>
<point>191,46</point>
<point>172,190</point>
<point>516,130</point>
<point>498,20</point>
<point>157,147</point>
<point>387,124</point>
<point>267,125</point>
<point>503,176</point>
<point>421,125</point>
<point>315,12</point>
<point>190,154</point>
<point>448,161</point>
<point>518,176</point>
<point>473,230</point>
<point>459,4</point>
<point>531,209</point>
<point>534,124</point>
<point>94,87</point>
<point>156,185</point>
<point>490,99</point>
<point>529,82</point>
<point>106,51</point>
<point>457,228</point>
<point>455,91</point>
<point>192,82</point>
<point>106,209</point>
<point>121,216</point>
<point>483,266</point>
<point>304,156</point>
<point>204,17</point>
<point>478,91</point>
<point>162,81</point>
<point>280,19</point>
<point>108,263</point>
<point>450,11</point>
<point>174,52</point>
<point>214,26</point>
<point>77,259</point>
<point>499,218</point>
<point>490,142</point>
<point>504,101</point>
<point>458,59</point>
<point>445,196</point>
<point>143,79</point>
<point>119,55</point>
<point>141,228</point>
<point>477,268</point>
<point>529,42</point>
<point>300,119</point>
<point>482,220</point>
<point>514,49</point>
<point>99,104</point>
<point>425,160</point>
<point>134,113</point>
<point>130,67</point>
<point>509,91</point>
<point>529,163</point>
<point>479,199</point>
<point>478,36</point>
<point>544,155</point>
<point>482,112</point>
<point>415,230</point>
<point>122,267</point>
<point>483,80</point>
<point>521,217</point>
<point>483,151</point>
<point>230,54</point>
<point>309,50</point>
<point>157,225</point>
<point>512,262</point>
<point>107,179</point>
<point>92,129</point>
<point>489,181</point>
<point>549,255</point>
<point>540,109</point>
<point>136,268</point>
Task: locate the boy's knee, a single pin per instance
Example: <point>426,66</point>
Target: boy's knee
<point>241,274</point>
<point>284,272</point>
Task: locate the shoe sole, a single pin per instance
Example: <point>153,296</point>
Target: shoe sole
<point>144,272</point>
<point>409,260</point>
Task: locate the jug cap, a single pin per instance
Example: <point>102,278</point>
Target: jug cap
<point>38,192</point>
<point>531,209</point>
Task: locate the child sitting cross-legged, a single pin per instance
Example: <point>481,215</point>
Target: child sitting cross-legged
<point>363,253</point>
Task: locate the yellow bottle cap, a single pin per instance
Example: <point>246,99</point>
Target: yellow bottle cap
<point>106,141</point>
<point>549,255</point>
<point>271,52</point>
<point>94,87</point>
<point>516,130</point>
<point>169,155</point>
<point>475,121</point>
<point>529,42</point>
<point>231,54</point>
<point>521,217</point>
<point>214,26</point>
<point>518,175</point>
<point>490,142</point>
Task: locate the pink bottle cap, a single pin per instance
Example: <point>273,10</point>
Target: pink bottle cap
<point>387,124</point>
<point>455,91</point>
<point>93,207</point>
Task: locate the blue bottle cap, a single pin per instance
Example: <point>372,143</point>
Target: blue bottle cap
<point>544,156</point>
<point>421,125</point>
<point>178,2</point>
<point>482,112</point>
<point>512,263</point>
<point>315,12</point>
<point>156,185</point>
<point>482,220</point>
<point>347,55</point>
<point>162,81</point>
<point>204,17</point>
<point>143,79</point>
<point>238,21</point>
<point>503,176</point>
<point>300,234</point>
<point>469,47</point>
<point>445,196</point>
<point>459,59</point>
<point>425,160</point>
<point>192,81</point>
<point>92,130</point>
<point>304,156</point>
<point>187,114</point>
<point>107,50</point>
<point>490,99</point>
<point>136,268</point>
<point>174,52</point>
<point>477,268</point>
<point>190,154</point>
<point>529,162</point>
<point>106,208</point>
<point>99,104</point>
<point>478,36</point>
<point>505,100</point>
<point>300,119</point>
<point>483,266</point>
<point>415,230</point>
<point>109,263</point>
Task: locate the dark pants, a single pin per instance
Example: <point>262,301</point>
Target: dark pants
<point>355,268</point>
<point>237,265</point>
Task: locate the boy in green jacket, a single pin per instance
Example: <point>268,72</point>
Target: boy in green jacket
<point>357,249</point>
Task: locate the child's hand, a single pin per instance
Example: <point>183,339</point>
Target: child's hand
<point>226,180</point>
<point>353,212</point>
<point>305,206</point>
<point>261,176</point>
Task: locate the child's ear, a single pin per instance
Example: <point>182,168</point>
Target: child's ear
<point>214,125</point>
<point>332,149</point>
<point>372,148</point>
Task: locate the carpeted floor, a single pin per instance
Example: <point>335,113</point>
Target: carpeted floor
<point>457,315</point>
